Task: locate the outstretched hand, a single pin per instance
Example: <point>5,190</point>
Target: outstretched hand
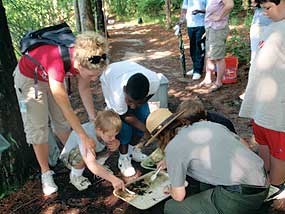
<point>118,184</point>
<point>113,145</point>
<point>161,164</point>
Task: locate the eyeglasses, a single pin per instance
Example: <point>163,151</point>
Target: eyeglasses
<point>97,59</point>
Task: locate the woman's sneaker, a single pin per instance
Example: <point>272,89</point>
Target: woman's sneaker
<point>48,184</point>
<point>190,72</point>
<point>80,182</point>
<point>126,167</point>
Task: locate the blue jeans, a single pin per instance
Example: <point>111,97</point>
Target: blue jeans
<point>127,131</point>
<point>197,53</point>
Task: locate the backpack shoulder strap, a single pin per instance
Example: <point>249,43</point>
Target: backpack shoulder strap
<point>65,56</point>
<point>64,53</point>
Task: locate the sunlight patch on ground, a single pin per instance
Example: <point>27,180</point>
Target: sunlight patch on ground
<point>135,42</point>
<point>159,54</point>
<point>153,40</point>
<point>143,31</point>
<point>122,25</point>
<point>134,56</point>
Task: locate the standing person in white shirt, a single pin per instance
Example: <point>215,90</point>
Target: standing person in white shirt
<point>264,99</point>
<point>194,13</point>
<point>127,86</point>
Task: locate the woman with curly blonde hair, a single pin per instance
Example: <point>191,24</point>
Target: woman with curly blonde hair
<point>88,59</point>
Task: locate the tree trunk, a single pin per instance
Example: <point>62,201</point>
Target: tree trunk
<point>168,14</point>
<point>100,19</point>
<point>86,15</point>
<point>77,16</point>
<point>14,166</point>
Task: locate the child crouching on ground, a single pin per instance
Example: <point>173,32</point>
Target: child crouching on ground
<point>103,130</point>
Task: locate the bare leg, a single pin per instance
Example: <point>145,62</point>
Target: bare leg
<point>210,67</point>
<point>277,171</point>
<point>63,136</point>
<point>221,66</point>
<point>135,140</point>
<point>123,148</point>
<point>41,151</point>
<point>263,152</point>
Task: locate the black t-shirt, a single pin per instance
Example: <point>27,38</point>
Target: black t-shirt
<point>218,118</point>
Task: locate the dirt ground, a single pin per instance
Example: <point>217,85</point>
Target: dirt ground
<point>156,49</point>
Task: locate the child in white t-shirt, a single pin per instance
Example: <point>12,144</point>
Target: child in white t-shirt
<point>103,130</point>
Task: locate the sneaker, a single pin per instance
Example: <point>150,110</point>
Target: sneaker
<point>137,155</point>
<point>48,184</point>
<point>126,167</point>
<point>80,182</point>
<point>190,73</point>
<point>196,76</point>
<point>275,193</point>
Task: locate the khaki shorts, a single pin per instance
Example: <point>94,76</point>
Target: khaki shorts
<point>216,43</point>
<point>37,112</point>
<point>72,158</point>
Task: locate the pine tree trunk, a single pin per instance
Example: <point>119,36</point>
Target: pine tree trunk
<point>14,166</point>
<point>86,15</point>
<point>77,16</point>
<point>100,18</point>
<point>168,14</point>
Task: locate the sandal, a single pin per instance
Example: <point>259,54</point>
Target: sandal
<point>214,87</point>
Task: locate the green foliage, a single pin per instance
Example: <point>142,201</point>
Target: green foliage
<point>238,8</point>
<point>149,8</point>
<point>176,4</point>
<point>238,45</point>
<point>25,15</point>
<point>134,8</point>
<point>122,8</point>
<point>12,172</point>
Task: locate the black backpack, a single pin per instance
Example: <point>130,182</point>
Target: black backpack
<point>60,35</point>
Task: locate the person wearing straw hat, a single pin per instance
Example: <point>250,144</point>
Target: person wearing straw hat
<point>212,155</point>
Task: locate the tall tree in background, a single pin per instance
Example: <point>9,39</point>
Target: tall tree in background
<point>84,15</point>
<point>168,13</point>
<point>14,164</point>
<point>99,16</point>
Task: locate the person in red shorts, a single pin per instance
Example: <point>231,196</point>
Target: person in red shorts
<point>48,99</point>
<point>264,99</point>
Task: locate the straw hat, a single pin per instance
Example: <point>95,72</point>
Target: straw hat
<point>158,120</point>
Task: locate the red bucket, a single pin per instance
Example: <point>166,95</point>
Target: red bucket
<point>230,75</point>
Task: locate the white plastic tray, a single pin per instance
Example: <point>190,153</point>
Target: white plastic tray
<point>151,161</point>
<point>153,193</point>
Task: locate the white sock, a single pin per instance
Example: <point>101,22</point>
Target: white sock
<point>130,149</point>
<point>123,156</point>
<point>77,172</point>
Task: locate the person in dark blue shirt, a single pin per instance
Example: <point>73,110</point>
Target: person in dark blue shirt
<point>195,106</point>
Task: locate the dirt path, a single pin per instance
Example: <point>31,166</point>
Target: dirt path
<point>156,49</point>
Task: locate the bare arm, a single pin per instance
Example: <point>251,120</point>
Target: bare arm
<point>134,121</point>
<point>86,96</point>
<point>228,6</point>
<point>98,170</point>
<point>218,15</point>
<point>177,193</point>
<point>59,93</point>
